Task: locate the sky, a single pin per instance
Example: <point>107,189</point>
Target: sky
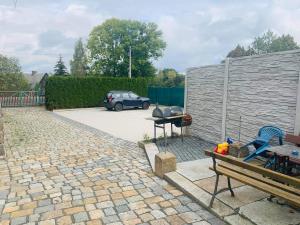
<point>197,32</point>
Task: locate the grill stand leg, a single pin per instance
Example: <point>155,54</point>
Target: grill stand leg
<point>181,134</point>
<point>165,137</point>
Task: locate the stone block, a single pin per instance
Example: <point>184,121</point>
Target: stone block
<point>164,163</point>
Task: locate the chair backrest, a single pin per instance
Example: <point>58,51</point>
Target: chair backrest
<point>268,132</point>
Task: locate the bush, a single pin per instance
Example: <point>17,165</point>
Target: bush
<point>76,92</point>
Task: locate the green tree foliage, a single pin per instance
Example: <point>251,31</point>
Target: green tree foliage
<point>109,45</point>
<point>238,52</point>
<point>11,77</point>
<point>60,69</point>
<point>168,78</point>
<point>267,43</point>
<point>78,65</point>
<point>89,91</point>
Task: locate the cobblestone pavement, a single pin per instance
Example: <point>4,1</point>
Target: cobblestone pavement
<point>192,148</point>
<point>61,172</point>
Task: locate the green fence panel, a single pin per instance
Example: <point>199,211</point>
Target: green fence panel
<point>167,96</point>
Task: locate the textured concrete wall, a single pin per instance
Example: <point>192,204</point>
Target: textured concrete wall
<point>204,101</point>
<point>261,89</point>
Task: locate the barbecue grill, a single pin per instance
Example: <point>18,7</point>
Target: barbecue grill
<point>173,115</point>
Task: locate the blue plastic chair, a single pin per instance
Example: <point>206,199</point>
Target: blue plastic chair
<point>261,143</point>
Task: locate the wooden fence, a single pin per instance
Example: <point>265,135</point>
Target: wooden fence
<point>21,99</point>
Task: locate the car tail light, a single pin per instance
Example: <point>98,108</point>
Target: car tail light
<point>110,98</point>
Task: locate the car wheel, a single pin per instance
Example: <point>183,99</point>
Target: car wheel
<point>118,107</point>
<point>146,105</point>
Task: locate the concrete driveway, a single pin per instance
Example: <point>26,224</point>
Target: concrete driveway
<point>130,125</point>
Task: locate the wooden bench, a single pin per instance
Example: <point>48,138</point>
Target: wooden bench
<point>274,183</point>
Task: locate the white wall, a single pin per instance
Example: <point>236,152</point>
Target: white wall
<point>262,89</point>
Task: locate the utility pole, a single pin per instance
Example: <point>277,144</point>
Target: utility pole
<point>129,71</point>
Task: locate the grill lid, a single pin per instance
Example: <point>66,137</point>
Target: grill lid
<point>161,113</point>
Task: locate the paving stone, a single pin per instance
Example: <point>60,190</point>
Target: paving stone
<point>96,214</point>
<point>146,217</point>
<point>190,217</point>
<point>20,213</point>
<point>19,220</point>
<point>216,221</point>
<point>109,211</point>
<point>192,150</point>
<point>44,202</point>
<point>80,217</point>
<point>106,204</point>
<point>176,220</point>
<point>158,214</point>
<point>110,219</point>
<point>122,208</point>
<point>203,223</point>
<point>65,220</point>
<point>47,222</point>
<point>269,213</point>
<point>69,173</point>
<point>43,209</point>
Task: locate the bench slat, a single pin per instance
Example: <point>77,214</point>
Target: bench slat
<point>291,198</point>
<point>258,169</point>
<point>259,177</point>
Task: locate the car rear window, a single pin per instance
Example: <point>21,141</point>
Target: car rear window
<point>114,95</point>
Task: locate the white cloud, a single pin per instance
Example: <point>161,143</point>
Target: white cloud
<point>76,9</point>
<point>196,32</point>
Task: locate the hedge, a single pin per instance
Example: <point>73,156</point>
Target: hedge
<point>80,92</point>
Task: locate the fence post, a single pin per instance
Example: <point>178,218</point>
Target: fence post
<point>225,93</point>
<point>297,118</point>
<point>185,94</point>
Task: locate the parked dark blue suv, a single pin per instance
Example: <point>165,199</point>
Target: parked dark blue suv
<point>119,100</point>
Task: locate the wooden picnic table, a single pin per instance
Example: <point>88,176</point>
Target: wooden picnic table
<point>283,156</point>
<point>286,150</point>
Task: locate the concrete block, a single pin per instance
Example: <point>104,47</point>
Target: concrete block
<point>164,163</point>
<point>151,150</point>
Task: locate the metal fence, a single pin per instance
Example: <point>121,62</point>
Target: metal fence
<point>21,98</point>
<point>167,96</point>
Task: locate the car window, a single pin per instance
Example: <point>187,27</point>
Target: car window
<point>125,95</point>
<point>116,95</point>
<point>133,95</point>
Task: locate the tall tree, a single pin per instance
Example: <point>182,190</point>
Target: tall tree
<point>78,65</point>
<point>11,77</point>
<point>284,43</point>
<point>266,43</point>
<point>168,77</point>
<point>60,69</point>
<point>262,44</point>
<point>237,52</point>
<point>110,42</point>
